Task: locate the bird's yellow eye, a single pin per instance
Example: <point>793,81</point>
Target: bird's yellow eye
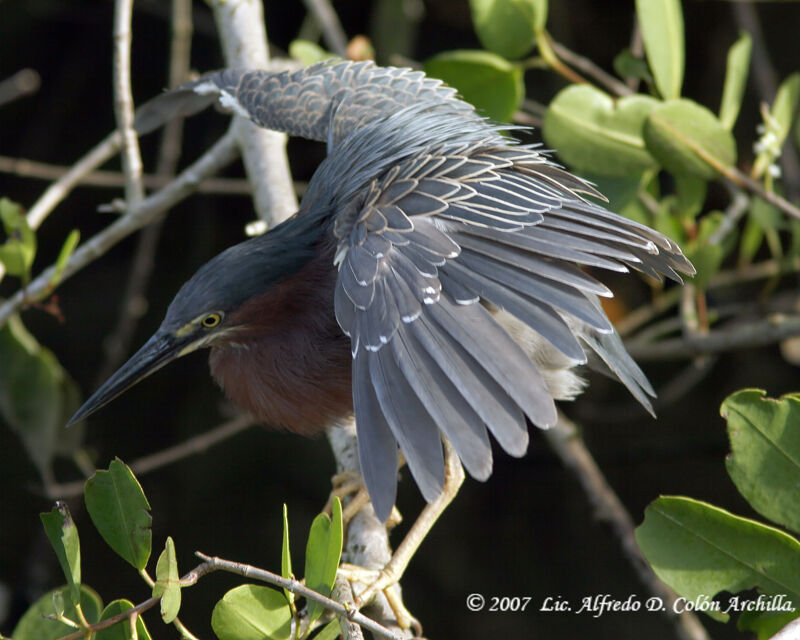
<point>211,320</point>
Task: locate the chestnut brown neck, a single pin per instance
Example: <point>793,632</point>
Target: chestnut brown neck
<point>289,363</point>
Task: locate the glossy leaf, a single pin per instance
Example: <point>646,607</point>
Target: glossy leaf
<point>691,192</point>
<point>323,552</point>
<point>252,612</point>
<point>36,395</point>
<point>309,52</point>
<point>764,463</point>
<point>34,626</point>
<point>121,630</point>
<point>167,585</point>
<point>63,536</point>
<point>592,132</point>
<point>699,550</point>
<point>119,510</point>
<point>661,22</point>
<point>330,631</point>
<point>286,555</point>
<point>492,84</point>
<point>687,138</point>
<point>735,80</point>
<point>19,248</point>
<point>508,27</point>
<point>764,624</point>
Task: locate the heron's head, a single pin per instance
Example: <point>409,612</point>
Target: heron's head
<point>214,305</point>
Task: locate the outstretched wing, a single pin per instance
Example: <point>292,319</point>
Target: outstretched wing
<point>325,102</point>
<point>434,237</point>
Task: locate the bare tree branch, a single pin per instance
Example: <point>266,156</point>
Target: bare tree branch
<point>25,168</point>
<point>332,30</point>
<point>568,445</point>
<point>297,588</point>
<point>24,82</point>
<point>118,342</point>
<point>123,102</point>
<point>219,156</point>
<point>141,466</point>
<point>768,331</point>
<point>244,44</point>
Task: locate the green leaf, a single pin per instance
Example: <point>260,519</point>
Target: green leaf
<point>252,612</point>
<point>735,80</point>
<point>63,535</point>
<point>121,630</point>
<point>764,624</point>
<point>19,249</point>
<point>67,249</point>
<point>627,65</point>
<point>508,27</point>
<point>752,239</point>
<point>707,259</point>
<point>330,631</point>
<point>766,215</point>
<point>592,132</point>
<point>699,550</point>
<point>167,585</point>
<point>308,52</point>
<point>764,463</point>
<point>661,22</point>
<point>487,81</point>
<point>34,626</point>
<point>691,193</point>
<point>323,551</point>
<point>286,555</point>
<point>119,509</point>
<point>36,395</point>
<point>687,138</point>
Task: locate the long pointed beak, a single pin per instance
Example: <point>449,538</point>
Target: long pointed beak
<point>159,350</point>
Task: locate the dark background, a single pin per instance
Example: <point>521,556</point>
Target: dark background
<point>528,531</point>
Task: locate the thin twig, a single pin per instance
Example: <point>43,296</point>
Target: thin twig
<point>332,30</point>
<point>249,571</point>
<point>752,334</point>
<point>590,69</point>
<point>141,466</point>
<point>114,179</point>
<point>189,579</point>
<point>123,102</point>
<point>59,190</point>
<point>569,447</point>
<point>118,342</point>
<point>23,83</point>
<point>220,155</point>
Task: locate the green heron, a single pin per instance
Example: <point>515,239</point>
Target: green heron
<point>430,281</point>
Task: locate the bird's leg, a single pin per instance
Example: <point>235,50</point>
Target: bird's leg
<point>394,569</point>
<point>350,483</point>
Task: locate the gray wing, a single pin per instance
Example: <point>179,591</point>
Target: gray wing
<point>435,236</point>
<point>325,102</point>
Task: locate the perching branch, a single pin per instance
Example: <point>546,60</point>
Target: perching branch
<point>249,571</point>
